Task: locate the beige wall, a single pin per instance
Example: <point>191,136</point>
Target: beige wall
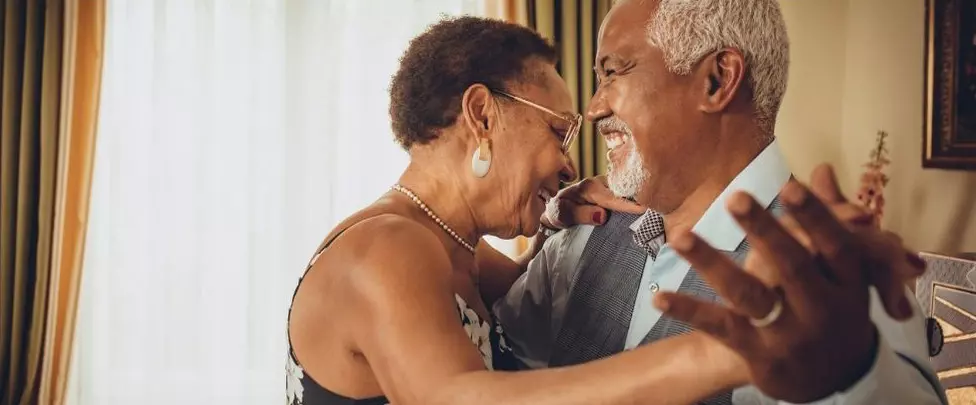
<point>857,67</point>
<point>809,124</point>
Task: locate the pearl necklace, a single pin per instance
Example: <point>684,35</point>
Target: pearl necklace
<point>433,216</point>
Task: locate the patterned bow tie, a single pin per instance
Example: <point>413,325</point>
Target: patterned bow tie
<point>650,228</point>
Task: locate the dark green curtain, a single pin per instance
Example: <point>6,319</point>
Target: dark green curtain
<point>31,47</point>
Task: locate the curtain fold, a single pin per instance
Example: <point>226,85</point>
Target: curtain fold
<point>232,136</point>
<point>516,11</point>
<point>30,112</point>
<point>83,53</point>
<point>573,26</point>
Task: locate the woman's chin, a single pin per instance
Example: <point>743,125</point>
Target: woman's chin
<point>528,225</point>
<point>531,225</point>
<point>529,228</point>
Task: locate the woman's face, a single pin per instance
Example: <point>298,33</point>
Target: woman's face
<point>527,146</point>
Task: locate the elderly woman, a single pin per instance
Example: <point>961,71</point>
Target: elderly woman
<point>390,308</point>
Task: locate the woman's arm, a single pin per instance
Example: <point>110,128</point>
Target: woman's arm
<point>498,272</point>
<point>676,371</point>
<point>409,332</point>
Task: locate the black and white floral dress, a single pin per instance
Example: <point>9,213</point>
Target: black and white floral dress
<point>486,335</point>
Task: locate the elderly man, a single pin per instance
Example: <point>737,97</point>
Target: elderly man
<point>687,103</point>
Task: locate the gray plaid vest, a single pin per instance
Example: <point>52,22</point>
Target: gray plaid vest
<point>601,302</point>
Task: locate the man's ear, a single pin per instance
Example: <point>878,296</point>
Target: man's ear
<point>477,110</point>
<point>722,74</point>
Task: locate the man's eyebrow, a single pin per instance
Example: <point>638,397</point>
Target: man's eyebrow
<point>603,60</point>
<point>598,66</point>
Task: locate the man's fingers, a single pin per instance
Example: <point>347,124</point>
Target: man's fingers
<point>887,248</point>
<point>761,268</point>
<point>830,238</point>
<point>796,230</point>
<point>728,327</point>
<point>892,269</point>
<point>894,238</point>
<point>823,183</point>
<point>852,215</point>
<point>891,289</point>
<point>745,293</point>
<point>768,238</point>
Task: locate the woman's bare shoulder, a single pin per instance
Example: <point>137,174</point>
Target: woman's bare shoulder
<point>388,247</point>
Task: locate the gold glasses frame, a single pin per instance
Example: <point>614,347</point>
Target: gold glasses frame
<point>576,121</point>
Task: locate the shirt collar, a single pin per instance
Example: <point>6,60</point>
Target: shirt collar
<point>762,178</point>
<point>636,224</point>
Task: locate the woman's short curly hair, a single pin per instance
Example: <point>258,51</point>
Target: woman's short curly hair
<point>450,56</point>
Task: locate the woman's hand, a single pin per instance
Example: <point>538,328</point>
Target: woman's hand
<point>585,203</point>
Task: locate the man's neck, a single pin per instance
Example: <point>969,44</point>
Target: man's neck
<point>716,180</point>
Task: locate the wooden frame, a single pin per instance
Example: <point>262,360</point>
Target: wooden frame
<point>949,140</point>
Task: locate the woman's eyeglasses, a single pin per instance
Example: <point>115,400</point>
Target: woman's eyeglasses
<point>575,121</point>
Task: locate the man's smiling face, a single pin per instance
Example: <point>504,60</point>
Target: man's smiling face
<point>645,113</point>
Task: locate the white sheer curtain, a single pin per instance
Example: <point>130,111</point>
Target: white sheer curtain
<point>233,135</point>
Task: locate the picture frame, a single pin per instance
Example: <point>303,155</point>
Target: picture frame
<point>949,140</point>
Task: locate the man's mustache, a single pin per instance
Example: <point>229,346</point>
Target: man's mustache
<point>612,124</point>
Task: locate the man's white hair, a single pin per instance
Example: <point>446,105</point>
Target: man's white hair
<point>687,30</point>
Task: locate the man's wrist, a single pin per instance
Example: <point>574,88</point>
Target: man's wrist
<point>863,364</point>
<point>889,380</point>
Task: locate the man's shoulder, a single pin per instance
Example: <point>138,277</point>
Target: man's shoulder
<point>573,239</point>
<point>620,218</point>
<point>562,240</point>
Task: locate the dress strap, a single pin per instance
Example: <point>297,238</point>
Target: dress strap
<point>326,245</point>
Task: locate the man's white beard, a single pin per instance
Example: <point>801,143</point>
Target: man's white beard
<point>626,181</point>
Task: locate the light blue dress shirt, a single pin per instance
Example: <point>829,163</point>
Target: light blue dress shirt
<point>532,313</point>
<point>763,178</point>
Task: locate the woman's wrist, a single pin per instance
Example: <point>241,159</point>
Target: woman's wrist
<point>545,227</point>
<point>731,369</point>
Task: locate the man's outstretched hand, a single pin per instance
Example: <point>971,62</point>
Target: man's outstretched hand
<point>798,313</point>
<point>892,266</point>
